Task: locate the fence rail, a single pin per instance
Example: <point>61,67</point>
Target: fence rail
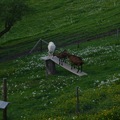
<point>100,35</point>
<point>41,45</point>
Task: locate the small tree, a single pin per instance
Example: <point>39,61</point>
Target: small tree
<point>11,11</point>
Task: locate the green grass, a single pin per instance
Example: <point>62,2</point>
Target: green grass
<point>63,18</point>
<point>63,22</point>
<point>34,96</point>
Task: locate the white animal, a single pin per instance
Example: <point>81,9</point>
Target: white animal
<point>51,48</point>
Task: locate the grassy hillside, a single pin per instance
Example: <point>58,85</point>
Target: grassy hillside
<point>34,96</point>
<point>62,22</point>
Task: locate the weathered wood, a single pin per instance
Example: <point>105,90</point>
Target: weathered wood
<point>65,65</point>
<point>4,104</point>
<point>117,32</point>
<point>50,67</point>
<point>4,89</point>
<point>41,49</point>
<point>5,114</point>
<point>78,45</point>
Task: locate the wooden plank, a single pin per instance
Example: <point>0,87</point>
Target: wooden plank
<point>3,104</point>
<point>46,58</point>
<point>50,67</point>
<point>65,65</point>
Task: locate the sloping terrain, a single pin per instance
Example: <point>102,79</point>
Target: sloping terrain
<point>33,95</point>
<point>63,22</point>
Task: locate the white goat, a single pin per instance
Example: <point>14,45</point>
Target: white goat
<point>51,48</point>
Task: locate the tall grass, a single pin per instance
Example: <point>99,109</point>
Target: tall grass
<point>34,96</point>
<point>62,18</point>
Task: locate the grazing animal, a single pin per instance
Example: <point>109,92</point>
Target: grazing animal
<point>62,56</point>
<point>51,48</point>
<point>75,61</point>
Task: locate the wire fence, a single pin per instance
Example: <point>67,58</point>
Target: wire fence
<point>42,44</point>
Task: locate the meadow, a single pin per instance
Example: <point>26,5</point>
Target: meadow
<point>33,95</point>
<point>89,29</point>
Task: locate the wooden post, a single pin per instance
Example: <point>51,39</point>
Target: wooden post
<point>4,89</point>
<point>50,67</point>
<point>77,100</point>
<point>78,45</point>
<point>5,98</point>
<point>117,32</point>
<point>41,46</point>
